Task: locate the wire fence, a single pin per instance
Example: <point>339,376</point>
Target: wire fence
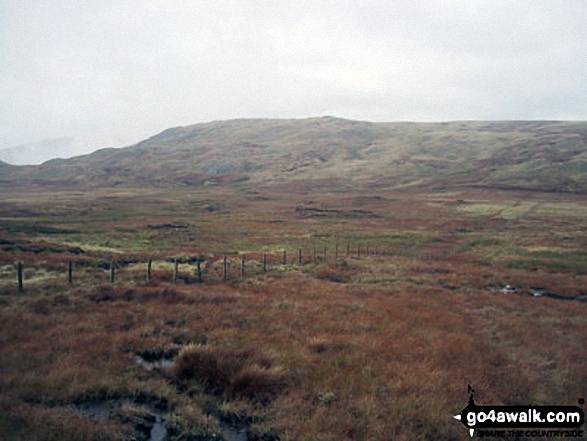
<point>16,275</point>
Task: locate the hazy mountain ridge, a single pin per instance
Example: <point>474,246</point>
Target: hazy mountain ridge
<point>39,151</point>
<point>542,155</point>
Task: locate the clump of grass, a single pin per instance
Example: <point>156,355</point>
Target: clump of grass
<point>258,383</point>
<point>139,418</point>
<point>319,345</point>
<point>189,424</point>
<point>244,373</point>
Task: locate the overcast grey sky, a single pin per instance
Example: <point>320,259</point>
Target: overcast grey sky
<point>113,72</point>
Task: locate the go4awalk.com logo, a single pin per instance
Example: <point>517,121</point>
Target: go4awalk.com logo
<point>522,421</point>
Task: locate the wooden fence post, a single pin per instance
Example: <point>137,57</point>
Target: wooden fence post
<point>199,270</point>
<point>375,251</point>
<point>112,271</point>
<point>243,266</point>
<point>324,251</point>
<point>149,265</point>
<point>264,262</point>
<point>69,271</point>
<point>299,256</point>
<point>19,276</point>
<point>224,275</point>
<point>174,270</point>
<point>284,257</point>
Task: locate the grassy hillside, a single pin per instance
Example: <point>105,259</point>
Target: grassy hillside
<point>538,155</point>
<point>419,259</point>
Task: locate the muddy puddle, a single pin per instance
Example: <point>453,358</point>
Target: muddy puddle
<point>156,364</point>
<point>147,418</point>
<point>232,434</point>
<point>156,358</point>
<point>152,422</point>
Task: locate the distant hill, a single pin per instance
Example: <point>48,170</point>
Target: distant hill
<point>38,152</point>
<point>538,155</point>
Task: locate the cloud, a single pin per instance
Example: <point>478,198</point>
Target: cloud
<point>114,72</point>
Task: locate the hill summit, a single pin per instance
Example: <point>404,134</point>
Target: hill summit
<point>536,155</point>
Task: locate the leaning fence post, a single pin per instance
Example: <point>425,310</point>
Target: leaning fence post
<point>174,270</point>
<point>224,275</point>
<point>149,264</point>
<point>243,266</point>
<point>19,276</point>
<point>112,270</point>
<point>69,271</point>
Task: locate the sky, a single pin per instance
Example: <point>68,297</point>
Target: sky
<point>110,73</point>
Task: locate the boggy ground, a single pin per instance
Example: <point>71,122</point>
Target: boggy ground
<point>379,347</point>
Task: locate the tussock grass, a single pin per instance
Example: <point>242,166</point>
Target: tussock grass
<point>241,373</point>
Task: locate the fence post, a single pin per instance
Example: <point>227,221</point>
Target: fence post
<point>284,257</point>
<point>324,251</point>
<point>69,271</point>
<point>375,251</point>
<point>336,251</point>
<point>199,270</point>
<point>299,256</point>
<point>112,270</point>
<point>149,264</point>
<point>224,275</point>
<point>243,266</point>
<point>19,276</point>
<point>264,262</point>
<point>358,250</point>
<point>367,252</point>
<point>174,270</point>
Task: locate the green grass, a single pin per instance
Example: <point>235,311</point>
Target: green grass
<point>485,242</point>
<point>33,228</point>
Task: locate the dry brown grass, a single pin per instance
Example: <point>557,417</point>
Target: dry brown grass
<point>244,373</point>
<point>373,348</point>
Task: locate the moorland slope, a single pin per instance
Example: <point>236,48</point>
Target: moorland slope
<point>536,155</point>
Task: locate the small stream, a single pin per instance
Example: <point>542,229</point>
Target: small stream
<point>538,292</point>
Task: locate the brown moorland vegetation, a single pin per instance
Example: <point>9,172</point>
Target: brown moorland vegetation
<point>362,347</point>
